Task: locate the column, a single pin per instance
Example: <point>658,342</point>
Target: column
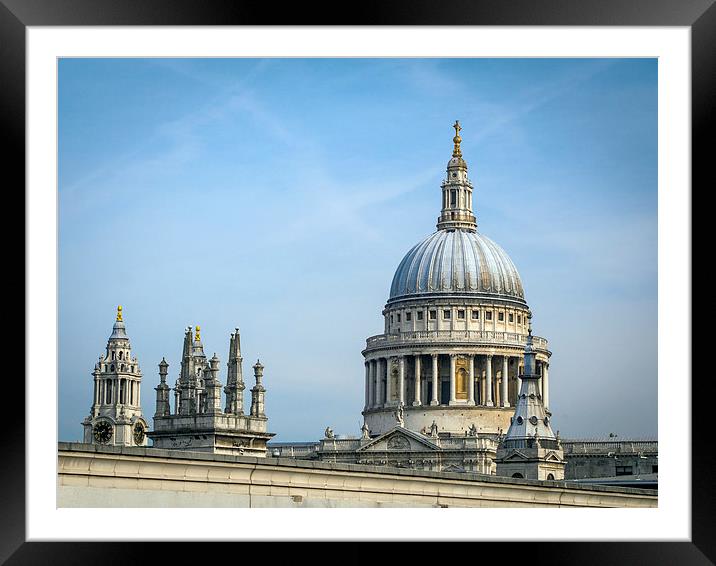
<point>471,382</point>
<point>452,379</point>
<point>416,400</point>
<point>505,381</point>
<point>401,380</point>
<point>367,385</point>
<point>388,384</point>
<point>545,385</point>
<point>434,400</point>
<point>371,385</point>
<point>378,382</point>
<point>488,382</point>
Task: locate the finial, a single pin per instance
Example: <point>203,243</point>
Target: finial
<point>456,140</point>
<point>197,334</point>
<point>119,313</point>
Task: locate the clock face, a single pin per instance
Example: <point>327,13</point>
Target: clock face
<point>138,432</point>
<point>102,432</point>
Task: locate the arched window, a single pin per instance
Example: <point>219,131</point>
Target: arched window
<point>111,368</point>
<point>113,355</point>
<point>517,475</point>
<point>550,476</point>
<point>120,355</point>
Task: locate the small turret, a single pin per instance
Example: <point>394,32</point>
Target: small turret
<point>258,391</point>
<point>213,387</point>
<point>163,408</point>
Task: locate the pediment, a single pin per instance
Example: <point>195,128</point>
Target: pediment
<point>552,457</point>
<point>515,455</point>
<point>399,440</point>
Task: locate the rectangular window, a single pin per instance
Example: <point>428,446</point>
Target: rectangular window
<point>453,198</point>
<point>461,314</point>
<point>475,315</point>
<point>391,318</point>
<point>512,317</point>
<point>420,315</point>
<point>655,469</point>
<point>433,315</point>
<point>500,316</point>
<point>624,470</point>
<point>519,319</point>
<point>488,315</point>
<point>398,317</point>
<point>408,316</point>
<point>446,314</point>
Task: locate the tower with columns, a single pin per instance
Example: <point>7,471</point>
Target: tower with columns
<point>530,449</point>
<point>455,327</point>
<point>116,414</point>
<point>198,422</point>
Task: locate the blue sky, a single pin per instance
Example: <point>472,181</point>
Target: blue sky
<point>279,196</point>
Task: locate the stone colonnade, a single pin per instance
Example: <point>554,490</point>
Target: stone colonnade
<point>119,390</point>
<point>474,379</point>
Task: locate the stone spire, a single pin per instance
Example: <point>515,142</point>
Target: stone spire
<point>235,381</point>
<point>191,379</point>
<point>457,191</point>
<point>530,449</point>
<point>258,392</point>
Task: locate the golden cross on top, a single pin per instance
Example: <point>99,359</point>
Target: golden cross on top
<point>457,127</point>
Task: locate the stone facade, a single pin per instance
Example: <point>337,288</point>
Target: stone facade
<point>403,448</point>
<point>199,423</point>
<point>610,457</point>
<point>113,476</point>
<point>116,414</point>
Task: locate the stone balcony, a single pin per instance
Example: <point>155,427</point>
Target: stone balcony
<point>457,337</point>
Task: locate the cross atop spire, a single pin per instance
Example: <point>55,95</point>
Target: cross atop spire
<point>119,313</point>
<point>456,140</point>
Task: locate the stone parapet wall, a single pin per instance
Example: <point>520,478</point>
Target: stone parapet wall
<point>99,476</point>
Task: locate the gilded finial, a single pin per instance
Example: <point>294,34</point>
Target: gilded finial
<point>456,140</point>
<point>197,336</point>
<point>119,313</point>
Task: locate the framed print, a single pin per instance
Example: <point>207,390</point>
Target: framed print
<point>269,167</point>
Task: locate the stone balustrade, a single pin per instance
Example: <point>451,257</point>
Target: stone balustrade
<point>476,337</point>
<point>618,446</point>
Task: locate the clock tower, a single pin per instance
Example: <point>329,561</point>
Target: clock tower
<point>116,414</point>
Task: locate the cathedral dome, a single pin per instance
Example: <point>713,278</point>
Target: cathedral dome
<point>457,262</point>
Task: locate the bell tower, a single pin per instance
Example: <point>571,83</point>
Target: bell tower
<point>116,414</point>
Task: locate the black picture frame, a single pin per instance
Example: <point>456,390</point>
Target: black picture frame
<point>698,15</point>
